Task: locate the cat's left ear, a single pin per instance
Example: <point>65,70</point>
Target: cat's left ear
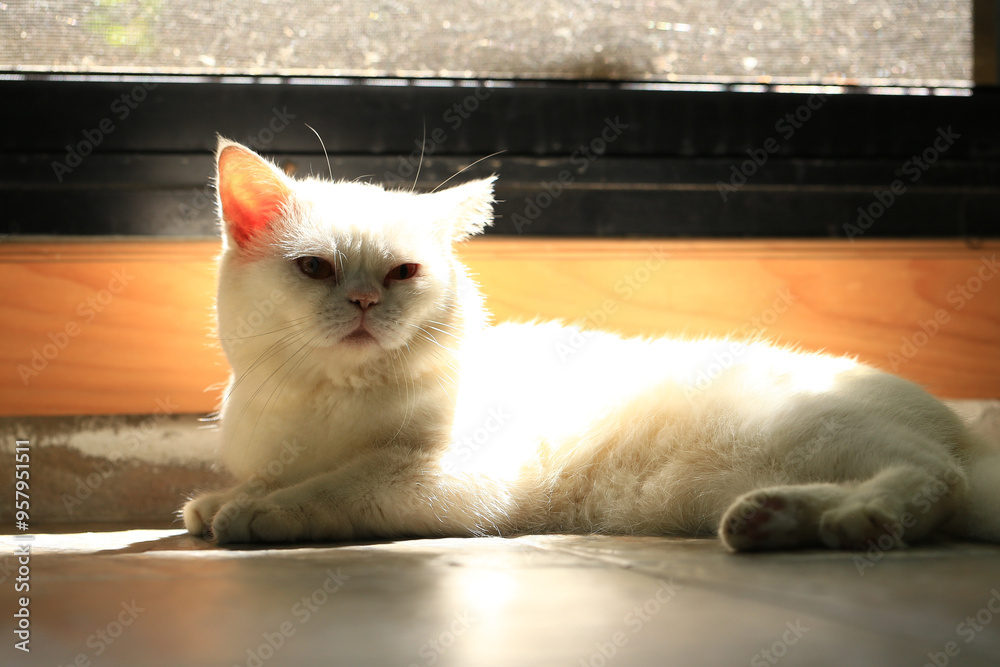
<point>469,208</point>
<point>253,193</point>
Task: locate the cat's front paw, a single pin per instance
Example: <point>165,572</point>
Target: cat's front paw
<point>199,512</point>
<point>259,520</point>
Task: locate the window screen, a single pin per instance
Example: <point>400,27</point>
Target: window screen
<point>859,42</point>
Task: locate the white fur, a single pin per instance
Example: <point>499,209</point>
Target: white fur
<point>448,426</point>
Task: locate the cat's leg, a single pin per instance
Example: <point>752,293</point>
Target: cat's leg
<point>380,496</point>
<point>780,517</point>
<point>900,504</point>
<point>850,482</point>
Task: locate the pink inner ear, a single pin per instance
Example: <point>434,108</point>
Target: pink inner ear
<point>252,194</point>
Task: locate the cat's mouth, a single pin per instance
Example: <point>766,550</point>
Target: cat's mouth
<point>360,336</point>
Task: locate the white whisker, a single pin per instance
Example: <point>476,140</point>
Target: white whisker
<point>466,168</point>
<point>328,167</point>
<point>423,144</point>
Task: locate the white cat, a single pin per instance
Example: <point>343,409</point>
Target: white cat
<point>370,398</point>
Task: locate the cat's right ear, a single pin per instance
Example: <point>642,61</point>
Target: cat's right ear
<point>469,208</point>
<point>253,193</point>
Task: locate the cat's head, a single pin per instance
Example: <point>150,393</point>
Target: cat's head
<point>352,271</point>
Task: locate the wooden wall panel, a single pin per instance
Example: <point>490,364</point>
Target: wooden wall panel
<point>125,326</point>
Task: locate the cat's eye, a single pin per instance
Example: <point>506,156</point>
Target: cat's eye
<point>316,268</point>
<point>402,272</point>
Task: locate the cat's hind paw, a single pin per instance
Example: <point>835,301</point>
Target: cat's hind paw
<point>760,521</point>
<point>861,525</point>
<point>775,518</point>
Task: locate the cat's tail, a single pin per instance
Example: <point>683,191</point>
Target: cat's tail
<point>978,517</point>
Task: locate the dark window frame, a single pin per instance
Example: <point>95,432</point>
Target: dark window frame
<point>658,177</point>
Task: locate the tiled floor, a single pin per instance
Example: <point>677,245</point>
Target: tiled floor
<point>159,597</point>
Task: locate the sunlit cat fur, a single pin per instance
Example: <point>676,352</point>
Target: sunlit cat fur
<point>426,421</point>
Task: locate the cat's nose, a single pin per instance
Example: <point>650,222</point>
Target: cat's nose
<point>363,299</point>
